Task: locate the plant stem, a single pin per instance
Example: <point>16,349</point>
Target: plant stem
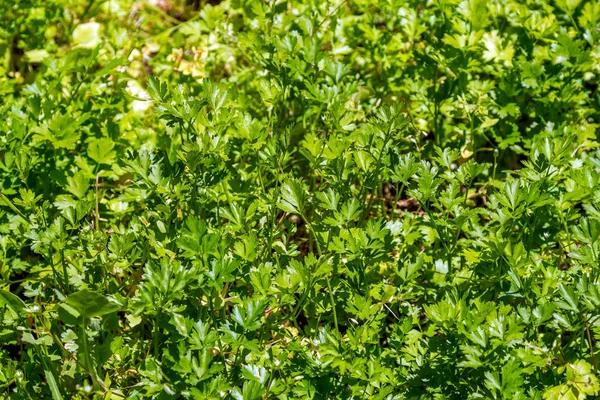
<point>156,334</point>
<point>65,272</point>
<point>88,359</point>
<point>589,338</point>
<point>97,219</point>
<point>335,320</point>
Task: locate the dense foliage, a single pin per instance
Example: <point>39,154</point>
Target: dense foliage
<point>256,199</point>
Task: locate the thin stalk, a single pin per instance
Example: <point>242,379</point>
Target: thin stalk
<point>458,229</point>
<point>375,174</point>
<point>335,321</point>
<point>89,360</point>
<point>54,273</point>
<point>381,196</point>
<point>97,216</point>
<point>85,12</point>
<point>65,272</point>
<point>12,206</point>
<point>237,353</point>
<point>301,301</point>
<point>56,394</point>
<point>329,289</point>
<point>399,190</point>
<point>328,16</point>
<point>156,334</point>
<point>589,338</point>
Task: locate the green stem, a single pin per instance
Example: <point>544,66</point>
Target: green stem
<point>12,206</point>
<point>54,273</point>
<point>87,357</point>
<point>65,272</point>
<point>331,299</point>
<point>329,289</point>
<point>156,334</point>
<point>232,374</point>
<point>52,383</point>
<point>399,190</point>
<point>589,338</point>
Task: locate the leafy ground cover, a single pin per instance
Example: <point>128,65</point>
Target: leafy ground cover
<point>285,199</point>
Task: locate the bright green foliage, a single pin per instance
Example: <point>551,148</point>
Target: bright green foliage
<point>299,199</point>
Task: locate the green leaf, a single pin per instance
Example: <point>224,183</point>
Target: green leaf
<point>215,94</point>
<point>13,302</point>
<point>87,35</point>
<point>102,151</point>
<point>53,384</point>
<point>78,184</point>
<point>36,56</point>
<point>293,197</point>
<point>83,305</point>
<point>64,131</point>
